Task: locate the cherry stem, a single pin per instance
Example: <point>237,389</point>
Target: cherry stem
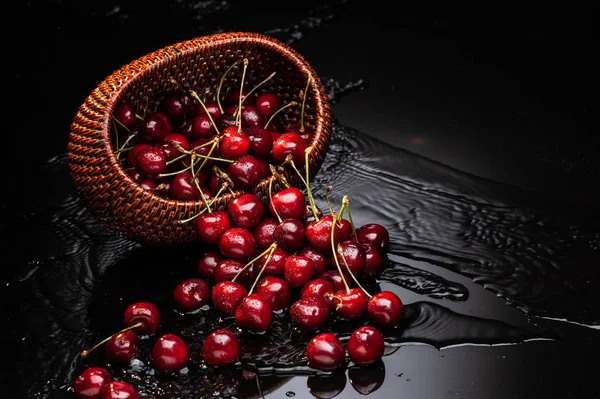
<point>195,95</point>
<point>194,174</point>
<point>221,85</point>
<point>303,103</point>
<point>238,118</point>
<point>327,191</point>
<point>260,272</point>
<point>258,387</point>
<point>271,198</point>
<point>350,271</point>
<point>308,192</point>
<point>271,247</point>
<point>87,352</point>
<point>337,263</point>
<point>115,120</point>
<point>290,161</point>
<point>278,111</point>
<point>254,89</point>
<point>339,305</point>
<point>177,172</point>
<point>224,177</point>
<point>124,144</point>
<point>346,201</point>
<point>205,209</point>
<point>207,156</point>
<point>140,117</point>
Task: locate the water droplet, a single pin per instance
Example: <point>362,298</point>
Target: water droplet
<point>290,394</point>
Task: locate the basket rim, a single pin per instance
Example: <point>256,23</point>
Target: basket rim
<point>128,74</point>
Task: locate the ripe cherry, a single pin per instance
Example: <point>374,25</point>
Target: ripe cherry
<point>132,155</point>
<point>318,233</point>
<point>350,304</point>
<point>325,352</point>
<point>276,292</point>
<point>148,185</point>
<point>233,144</point>
<point>170,354</point>
<point>289,144</point>
<point>267,104</point>
<point>310,313</point>
<point>155,127</point>
<point>289,234</point>
<point>207,264</point>
<point>333,276</point>
<point>245,172</point>
<point>263,232</point>
<point>346,230</point>
<point>212,108</point>
<point>321,288</point>
<point>122,347</point>
<point>221,348</point>
<point>91,383</point>
<point>254,313</point>
<point>202,126</point>
<point>253,116</point>
<point>288,203</point>
<point>374,233</point>
<point>353,254</point>
<point>372,260</point>
<point>320,261</point>
<point>212,225</point>
<point>228,120</point>
<point>172,145</point>
<point>125,115</point>
<point>385,309</point>
<point>237,243</point>
<point>298,270</point>
<point>183,187</point>
<point>227,296</point>
<point>366,345</point>
<point>246,210</point>
<point>227,269</point>
<point>177,105</point>
<point>261,141</point>
<point>150,162</point>
<point>146,314</point>
<point>191,294</point>
<point>276,265</point>
<point>120,390</point>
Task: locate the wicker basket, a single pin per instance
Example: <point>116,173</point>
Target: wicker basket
<point>198,64</point>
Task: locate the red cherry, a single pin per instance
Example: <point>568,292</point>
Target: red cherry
<point>122,347</point>
<point>229,268</point>
<point>276,265</point>
<point>346,230</point>
<point>372,259</point>
<point>148,185</point>
<point>310,313</point>
<point>135,175</point>
<point>120,390</point>
<point>289,144</point>
<point>385,309</point>
<point>261,141</point>
<point>185,128</point>
<point>172,143</point>
<point>90,384</point>
<point>228,120</point>
<point>207,264</point>
<point>263,232</point>
<point>246,210</point>
<point>321,288</point>
<point>354,255</point>
<point>267,104</point>
<point>253,116</point>
<point>320,261</point>
<point>245,172</point>
<point>211,226</point>
<point>221,348</point>
<point>318,234</point>
<point>373,233</point>
<point>213,109</point>
<point>202,126</point>
<point>254,313</point>
<point>237,243</point>
<point>325,352</point>
<point>170,354</point>
<point>298,270</point>
<point>214,182</point>
<point>155,127</point>
<point>353,303</point>
<point>177,105</point>
<point>288,203</point>
<point>333,276</point>
<point>289,234</point>
<point>366,345</point>
<point>191,294</point>
<point>227,295</point>
<point>125,114</point>
<point>183,188</point>
<point>150,162</point>
<point>132,155</point>
<point>276,292</point>
<point>233,144</point>
<point>145,313</point>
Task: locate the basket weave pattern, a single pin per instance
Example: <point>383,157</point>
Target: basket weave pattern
<point>198,64</point>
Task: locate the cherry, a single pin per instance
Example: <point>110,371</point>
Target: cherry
<point>264,167</point>
<point>177,105</point>
<point>125,114</point>
<point>171,144</point>
<point>333,277</point>
<point>229,268</point>
<point>263,232</point>
<point>227,295</point>
<point>310,313</point>
<point>191,294</point>
<point>267,104</point>
<point>212,108</point>
<point>170,354</point>
<point>183,188</point>
<point>228,120</point>
<point>253,116</point>
<point>245,172</point>
<point>214,183</point>
<point>90,384</point>
<point>147,185</point>
<point>350,304</point>
<point>146,314</point>
<point>254,313</point>
<point>385,309</point>
<point>261,141</point>
<point>135,176</point>
<point>289,234</point>
<point>202,126</point>
<point>298,270</point>
<point>320,261</point>
<point>276,265</point>
<point>288,203</point>
<point>318,233</point>
<point>372,259</point>
<point>366,345</point>
<point>155,127</point>
<point>207,264</point>
<point>325,352</point>
<point>353,254</point>
<point>221,348</point>
<point>346,230</point>
<point>185,128</point>
<point>151,162</point>
<point>234,97</point>
<point>321,288</point>
<point>237,243</point>
<point>120,390</point>
<point>122,347</point>
<point>375,234</point>
<point>233,144</point>
<point>211,226</point>
<point>276,292</point>
<point>289,144</point>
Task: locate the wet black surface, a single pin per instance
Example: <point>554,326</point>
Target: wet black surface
<point>471,139</point>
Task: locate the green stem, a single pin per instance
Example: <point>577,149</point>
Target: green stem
<point>271,198</point>
<point>221,85</point>
<point>308,192</point>
<point>350,218</point>
<point>278,111</point>
<point>239,114</point>
<point>195,95</point>
<point>337,263</point>
<point>350,271</point>
<point>260,272</point>
<point>87,352</point>
<point>176,173</point>
<point>303,104</point>
<point>327,191</point>
<point>272,246</point>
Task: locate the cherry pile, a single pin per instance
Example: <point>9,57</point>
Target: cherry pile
<point>185,149</point>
